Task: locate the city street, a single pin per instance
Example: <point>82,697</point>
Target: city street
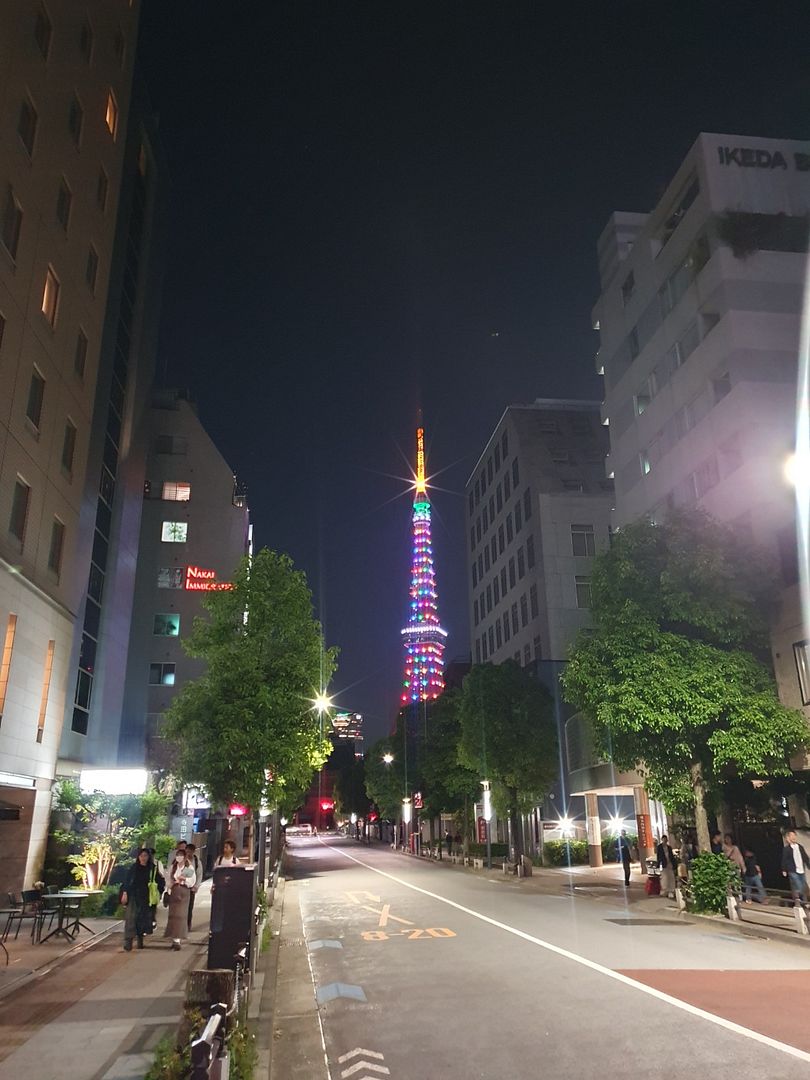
<point>432,970</point>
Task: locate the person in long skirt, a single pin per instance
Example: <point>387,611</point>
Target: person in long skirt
<point>135,897</point>
<point>182,880</point>
<point>666,863</point>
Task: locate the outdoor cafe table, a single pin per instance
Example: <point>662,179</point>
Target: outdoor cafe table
<point>75,916</point>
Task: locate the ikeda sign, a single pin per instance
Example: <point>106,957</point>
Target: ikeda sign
<point>751,157</point>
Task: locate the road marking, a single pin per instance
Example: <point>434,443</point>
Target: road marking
<point>324,943</point>
<point>354,896</point>
<point>684,1006</point>
<point>339,990</point>
<point>366,1065</point>
<point>359,1050</point>
<point>385,915</point>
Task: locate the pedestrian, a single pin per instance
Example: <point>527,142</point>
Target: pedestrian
<point>666,863</point>
<point>228,856</point>
<point>194,862</point>
<point>181,882</point>
<point>457,843</point>
<point>794,865</point>
<point>158,877</point>
<point>623,845</point>
<point>135,898</point>
<point>181,846</point>
<point>717,843</point>
<point>733,853</point>
<point>752,878</point>
<point>448,839</point>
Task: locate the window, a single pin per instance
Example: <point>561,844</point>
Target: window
<point>27,125</point>
<point>503,581</point>
<point>57,545</point>
<point>682,204</point>
<point>583,590</point>
<point>484,645</point>
<point>491,639</point>
<point>478,530</point>
<point>533,601</point>
<point>80,354</point>
<point>50,296</point>
<point>483,482</point>
<point>5,659</point>
<point>176,492</point>
<point>489,470</point>
<point>515,473</point>
<point>515,626</point>
<point>102,189</point>
<point>161,674</point>
<point>475,612</point>
<point>472,538</point>
<point>170,577</point>
<point>19,509</point>
<point>497,456</point>
<point>477,492</point>
<point>507,487</point>
<point>63,203</point>
<point>507,632</point>
<point>499,498</point>
<point>517,657</point>
<point>642,401</point>
<point>527,504</point>
<point>489,599</point>
<point>524,611</point>
<point>501,540</point>
<point>628,287</point>
<point>36,395</point>
<point>174,532</point>
<point>518,517</point>
<point>474,574</point>
<point>86,42</point>
<point>42,32</point>
<point>91,269</point>
<point>505,445</point>
<point>75,120</point>
<point>493,547</point>
<point>486,557</point>
<point>498,634</point>
<point>477,651</point>
<point>530,551</point>
<point>111,114</point>
<point>510,533</point>
<point>538,648</point>
<point>166,625</point>
<point>496,591</point>
<point>582,540</point>
<point>512,572</point>
<point>492,508</point>
<point>521,563</point>
<point>12,223</point>
<point>721,386</point>
<point>800,651</point>
<point>69,446</point>
<point>527,655</point>
<point>485,518</point>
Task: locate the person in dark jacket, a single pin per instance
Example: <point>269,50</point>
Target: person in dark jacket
<point>794,865</point>
<point>623,845</point>
<point>135,898</point>
<point>448,839</point>
<point>666,863</point>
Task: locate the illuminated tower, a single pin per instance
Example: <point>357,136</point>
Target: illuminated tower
<point>423,637</point>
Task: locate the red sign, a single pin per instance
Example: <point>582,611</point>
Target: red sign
<point>237,810</point>
<point>417,800</point>
<point>644,831</point>
<point>199,579</point>
<point>327,805</point>
<point>482,830</point>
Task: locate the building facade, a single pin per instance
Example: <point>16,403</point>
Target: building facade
<point>194,531</point>
<point>64,130</point>
<point>699,321</point>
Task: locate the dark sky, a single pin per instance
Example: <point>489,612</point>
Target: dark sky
<point>377,207</point>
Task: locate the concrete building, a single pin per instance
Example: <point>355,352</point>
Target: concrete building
<point>64,133</point>
<point>194,531</point>
<point>699,322</point>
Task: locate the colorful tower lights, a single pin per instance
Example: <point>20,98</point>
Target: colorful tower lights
<point>423,637</point>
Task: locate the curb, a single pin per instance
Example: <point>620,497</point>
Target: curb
<point>263,1015</point>
<point>49,965</point>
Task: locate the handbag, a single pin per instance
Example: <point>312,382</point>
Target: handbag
<point>166,899</point>
<point>154,891</point>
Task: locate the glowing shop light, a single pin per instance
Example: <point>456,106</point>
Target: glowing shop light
<point>114,781</point>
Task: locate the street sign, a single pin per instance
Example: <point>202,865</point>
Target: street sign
<point>417,800</point>
<point>482,830</point>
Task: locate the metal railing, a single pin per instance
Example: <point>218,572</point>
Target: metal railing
<point>782,910</point>
<point>210,1059</point>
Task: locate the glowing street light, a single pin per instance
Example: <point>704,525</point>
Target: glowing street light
<point>322,703</point>
<point>388,758</point>
<point>488,818</point>
<point>406,810</point>
<point>566,826</point>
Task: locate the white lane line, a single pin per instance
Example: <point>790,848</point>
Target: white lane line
<point>617,976</point>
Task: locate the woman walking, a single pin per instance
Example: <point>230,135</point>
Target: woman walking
<point>182,880</point>
<point>135,897</point>
<point>666,864</point>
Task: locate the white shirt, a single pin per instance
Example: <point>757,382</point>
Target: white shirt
<point>797,858</point>
<point>184,875</point>
<point>223,860</point>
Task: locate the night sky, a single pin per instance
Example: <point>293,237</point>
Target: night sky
<point>382,207</point>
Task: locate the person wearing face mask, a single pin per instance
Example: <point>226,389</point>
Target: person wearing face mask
<point>182,880</point>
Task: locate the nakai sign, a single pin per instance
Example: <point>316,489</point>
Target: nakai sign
<point>199,579</point>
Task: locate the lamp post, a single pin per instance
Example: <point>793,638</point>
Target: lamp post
<point>323,703</point>
<point>487,818</point>
<point>388,759</point>
<point>406,817</point>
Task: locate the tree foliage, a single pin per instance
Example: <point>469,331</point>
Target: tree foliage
<point>447,784</point>
<point>675,675</point>
<point>386,784</point>
<point>245,729</point>
<point>508,735</point>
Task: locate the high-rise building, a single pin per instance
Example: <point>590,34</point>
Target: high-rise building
<point>194,532</point>
<point>423,637</point>
<point>699,322</point>
<point>347,729</point>
<point>538,510</point>
<point>65,136</point>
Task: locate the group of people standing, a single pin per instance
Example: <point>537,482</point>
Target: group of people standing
<point>147,881</point>
<point>451,842</point>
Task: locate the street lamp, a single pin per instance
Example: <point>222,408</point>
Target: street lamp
<point>322,703</point>
<point>388,758</point>
<point>487,818</point>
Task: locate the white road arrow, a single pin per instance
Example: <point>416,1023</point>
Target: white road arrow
<point>366,1065</point>
<point>353,1054</point>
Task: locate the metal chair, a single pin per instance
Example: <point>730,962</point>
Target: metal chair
<point>31,909</point>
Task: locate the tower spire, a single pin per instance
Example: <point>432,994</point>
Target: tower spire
<point>423,637</point>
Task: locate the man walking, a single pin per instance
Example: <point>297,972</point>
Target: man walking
<point>448,839</point>
<point>733,853</point>
<point>794,865</point>
<point>623,845</point>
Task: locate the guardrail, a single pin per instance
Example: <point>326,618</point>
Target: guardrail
<point>210,1059</point>
<point>781,910</point>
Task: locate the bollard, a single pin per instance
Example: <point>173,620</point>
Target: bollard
<point>733,910</point>
<point>800,916</point>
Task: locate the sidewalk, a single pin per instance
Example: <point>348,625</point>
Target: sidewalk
<point>95,1014</point>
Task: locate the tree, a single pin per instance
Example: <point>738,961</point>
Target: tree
<point>675,676</point>
<point>508,735</point>
<point>350,786</point>
<point>245,730</point>
<point>448,785</point>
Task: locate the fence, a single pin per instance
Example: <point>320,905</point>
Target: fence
<point>781,909</point>
<point>210,1059</point>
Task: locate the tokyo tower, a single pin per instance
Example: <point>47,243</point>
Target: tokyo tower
<point>423,637</point>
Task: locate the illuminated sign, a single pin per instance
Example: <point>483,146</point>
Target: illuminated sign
<point>199,579</point>
<point>237,810</point>
<point>326,805</point>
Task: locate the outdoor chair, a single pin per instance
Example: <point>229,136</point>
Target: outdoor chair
<point>31,909</point>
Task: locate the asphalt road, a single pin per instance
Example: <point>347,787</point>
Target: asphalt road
<point>440,972</point>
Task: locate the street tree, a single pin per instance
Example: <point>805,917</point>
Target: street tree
<point>448,786</point>
<point>388,781</point>
<point>508,735</point>
<point>675,676</point>
<point>246,729</point>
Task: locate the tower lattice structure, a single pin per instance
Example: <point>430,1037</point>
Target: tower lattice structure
<point>424,636</point>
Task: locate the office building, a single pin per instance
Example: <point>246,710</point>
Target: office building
<point>64,137</point>
<point>194,531</point>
